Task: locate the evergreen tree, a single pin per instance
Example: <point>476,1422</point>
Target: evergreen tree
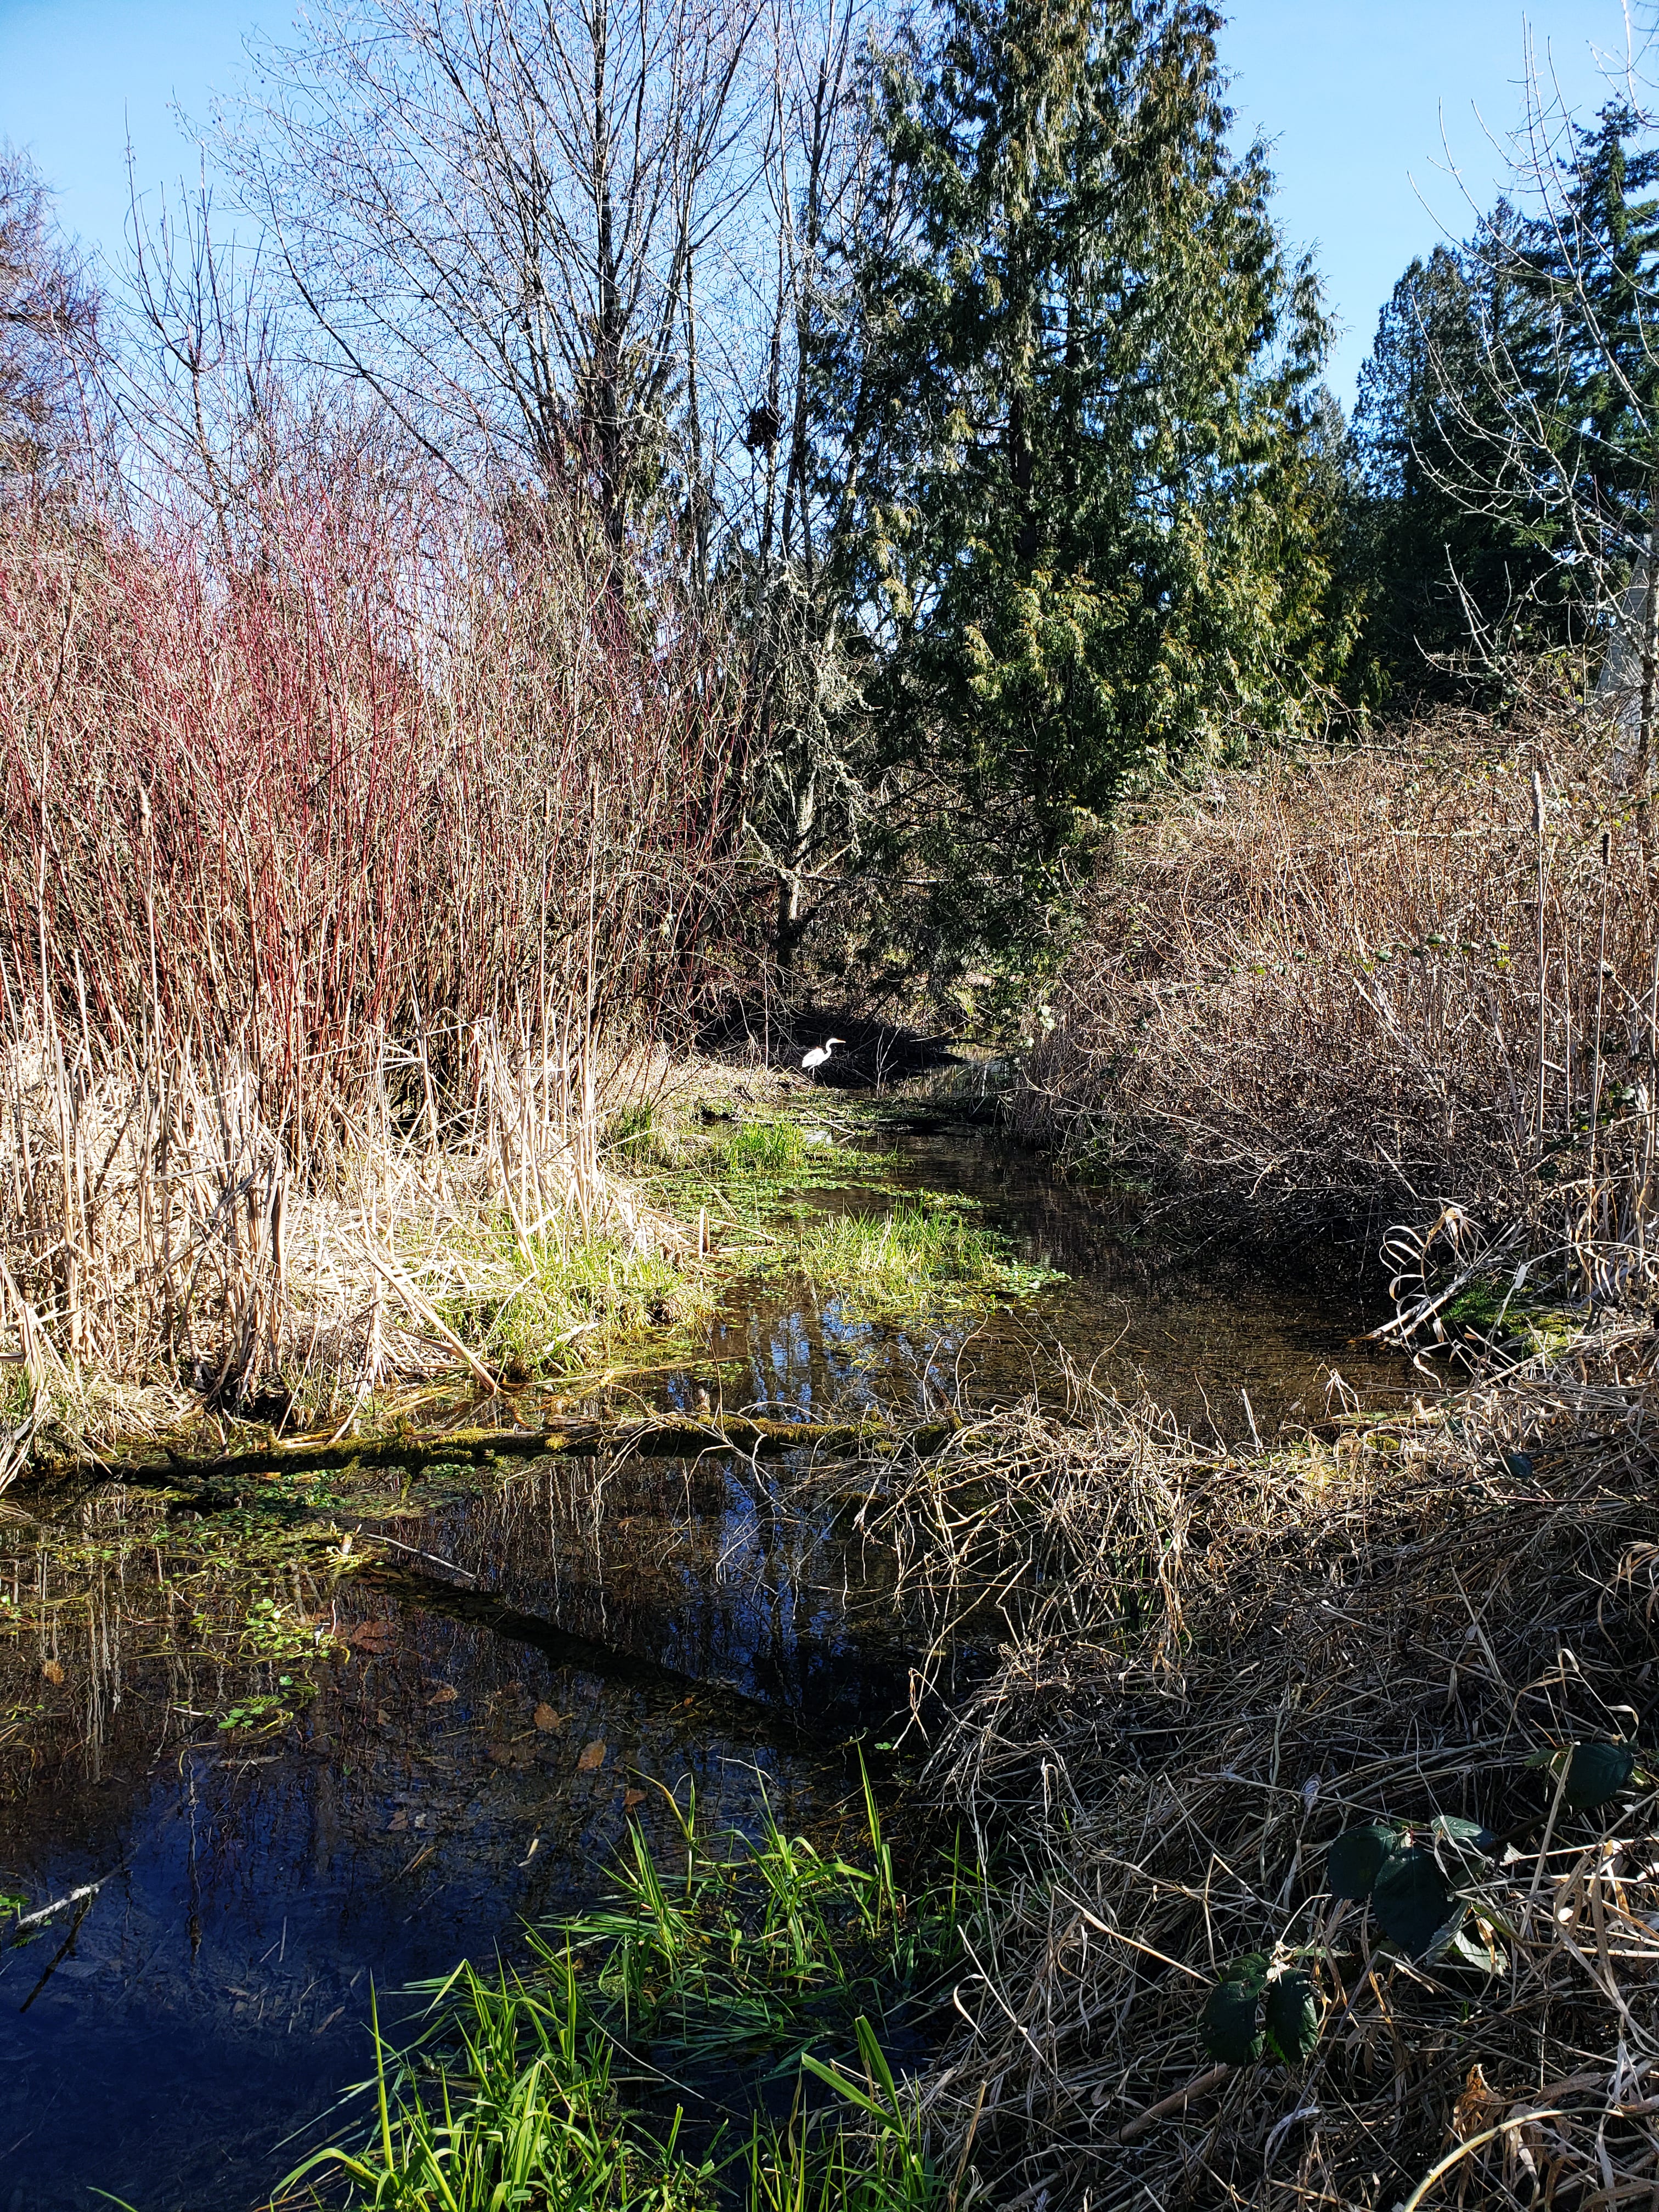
<point>1097,520</point>
<point>1427,426</point>
<point>1585,409</point>
<point>1591,376</point>
<point>1509,422</point>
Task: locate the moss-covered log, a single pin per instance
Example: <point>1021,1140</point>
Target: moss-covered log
<point>674,1438</point>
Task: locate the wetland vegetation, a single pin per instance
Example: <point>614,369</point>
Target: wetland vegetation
<point>603,1607</point>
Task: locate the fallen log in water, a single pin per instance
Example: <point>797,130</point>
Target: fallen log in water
<point>562,1646</point>
<point>668,1437</point>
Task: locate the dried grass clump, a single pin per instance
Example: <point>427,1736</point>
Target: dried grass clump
<point>1379,982</point>
<point>195,1263</point>
<point>1212,1667</point>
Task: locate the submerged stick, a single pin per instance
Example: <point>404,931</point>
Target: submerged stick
<point>675,1437</point>
<point>72,1896</point>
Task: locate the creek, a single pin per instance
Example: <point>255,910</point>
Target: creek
<point>278,1785</point>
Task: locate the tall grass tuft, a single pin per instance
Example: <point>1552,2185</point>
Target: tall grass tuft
<point>921,1255</point>
<point>765,1949</point>
<point>515,2109</point>
<point>759,1966</point>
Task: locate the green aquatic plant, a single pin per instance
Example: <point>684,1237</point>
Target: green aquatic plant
<point>267,1709</point>
<point>922,1256</point>
<point>884,2164</point>
<point>753,1960</point>
<point>549,1304</point>
<point>511,2106</point>
<point>771,1149</point>
<point>742,1183</point>
<point>275,1631</point>
<point>767,1944</point>
<point>239,1602</point>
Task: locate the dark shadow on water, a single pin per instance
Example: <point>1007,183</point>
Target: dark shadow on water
<point>441,1786</point>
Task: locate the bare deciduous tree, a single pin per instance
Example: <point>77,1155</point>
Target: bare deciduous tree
<point>198,374</point>
<point>493,209</point>
<point>806,438</point>
<point>604,247</point>
<point>49,310</point>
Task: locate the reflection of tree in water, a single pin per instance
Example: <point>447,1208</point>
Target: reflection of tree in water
<point>429,1794</point>
<point>720,1568</point>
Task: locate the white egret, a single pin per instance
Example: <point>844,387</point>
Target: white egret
<point>819,1056</point>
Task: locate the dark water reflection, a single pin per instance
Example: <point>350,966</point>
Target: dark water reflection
<point>430,1795</point>
<point>437,1783</point>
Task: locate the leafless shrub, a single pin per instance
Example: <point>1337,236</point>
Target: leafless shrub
<point>340,857</point>
<point>1415,980</point>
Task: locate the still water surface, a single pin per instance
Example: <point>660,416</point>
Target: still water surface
<point>181,2038</point>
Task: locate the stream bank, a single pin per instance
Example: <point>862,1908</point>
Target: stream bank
<point>288,1779</point>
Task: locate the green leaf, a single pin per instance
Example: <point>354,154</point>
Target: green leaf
<point>1290,2017</point>
<point>1227,2027</point>
<point>1356,1858</point>
<point>1467,1838</point>
<point>875,2059</point>
<point>1597,1771</point>
<point>1463,1952</point>
<point>891,2115</point>
<point>1411,1900</point>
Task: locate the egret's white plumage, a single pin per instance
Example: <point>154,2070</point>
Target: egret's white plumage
<point>819,1054</point>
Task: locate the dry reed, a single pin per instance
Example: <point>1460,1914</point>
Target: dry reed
<point>1212,1666</point>
<point>340,862</point>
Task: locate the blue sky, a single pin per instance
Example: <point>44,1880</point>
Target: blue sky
<point>1353,93</point>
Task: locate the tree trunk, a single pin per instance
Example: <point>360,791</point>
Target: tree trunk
<point>654,1437</point>
<point>1649,674</point>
